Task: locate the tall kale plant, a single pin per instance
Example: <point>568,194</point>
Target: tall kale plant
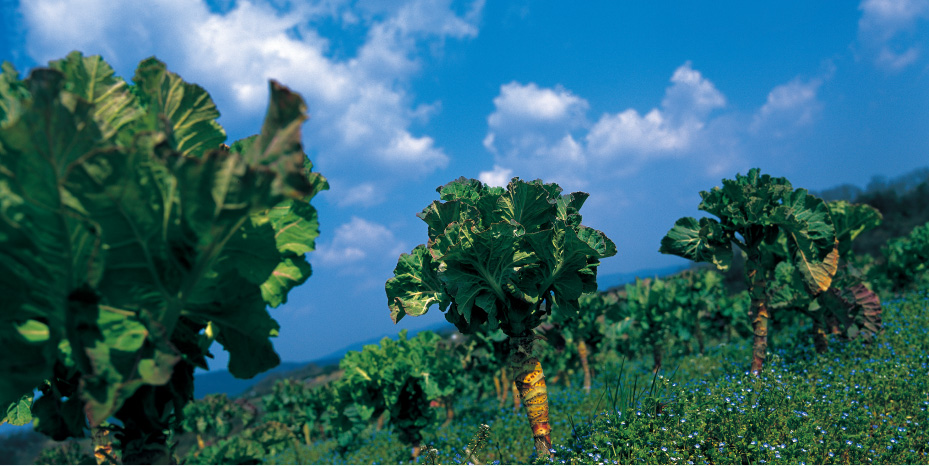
<point>500,258</point>
<point>752,211</point>
<point>132,237</point>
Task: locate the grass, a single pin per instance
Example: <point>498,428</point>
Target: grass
<point>858,403</point>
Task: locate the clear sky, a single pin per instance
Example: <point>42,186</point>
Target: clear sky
<point>641,104</point>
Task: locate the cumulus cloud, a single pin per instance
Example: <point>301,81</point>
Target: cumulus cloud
<point>498,176</point>
<point>360,106</point>
<point>788,106</point>
<point>889,31</point>
<point>538,130</point>
<point>358,241</point>
<point>545,132</point>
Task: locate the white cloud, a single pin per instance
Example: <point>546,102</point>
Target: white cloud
<point>519,104</point>
<point>788,106</point>
<point>357,241</point>
<point>363,194</point>
<point>539,131</point>
<point>360,106</point>
<point>498,176</point>
<point>888,30</point>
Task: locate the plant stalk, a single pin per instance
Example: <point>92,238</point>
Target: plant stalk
<point>583,354</point>
<point>758,314</point>
<point>531,383</point>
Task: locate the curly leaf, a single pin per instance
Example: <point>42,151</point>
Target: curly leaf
<point>20,412</point>
<point>185,110</point>
<point>700,241</point>
<point>415,286</point>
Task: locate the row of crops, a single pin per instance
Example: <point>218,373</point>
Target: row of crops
<point>134,237</point>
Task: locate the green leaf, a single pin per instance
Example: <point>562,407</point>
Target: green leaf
<point>185,111</point>
<point>415,286</point>
<point>851,220</point>
<point>806,221</point>
<point>20,412</point>
<point>700,241</point>
<point>290,272</point>
<point>93,80</point>
<point>526,205</point>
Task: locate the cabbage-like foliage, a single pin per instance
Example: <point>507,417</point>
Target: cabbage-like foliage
<point>754,211</point>
<point>131,237</point>
<point>398,377</point>
<point>495,256</point>
<point>905,260</point>
<point>849,308</point>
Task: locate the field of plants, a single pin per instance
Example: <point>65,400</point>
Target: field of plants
<point>133,238</point>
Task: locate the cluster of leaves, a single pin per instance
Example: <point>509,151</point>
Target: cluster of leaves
<point>215,418</point>
<point>131,238</point>
<point>793,242</point>
<point>905,260</point>
<point>307,410</point>
<point>399,378</point>
<point>495,256</point>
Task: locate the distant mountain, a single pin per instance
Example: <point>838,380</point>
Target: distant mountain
<point>612,280</point>
<point>223,382</point>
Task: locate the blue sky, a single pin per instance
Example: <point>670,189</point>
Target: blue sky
<point>641,104</point>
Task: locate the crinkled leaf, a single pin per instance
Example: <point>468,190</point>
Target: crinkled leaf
<point>19,413</point>
<point>182,109</point>
<point>806,222</point>
<point>568,207</point>
<point>526,205</point>
<point>290,272</point>
<point>563,256</point>
<point>415,286</point>
<point>700,241</point>
<point>850,220</point>
<point>93,80</point>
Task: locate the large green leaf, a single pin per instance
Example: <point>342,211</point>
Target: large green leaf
<point>850,220</point>
<point>92,79</point>
<point>700,241</point>
<point>805,220</point>
<point>185,111</point>
<point>415,286</point>
<point>48,248</point>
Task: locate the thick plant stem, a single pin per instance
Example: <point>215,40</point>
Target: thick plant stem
<point>583,354</point>
<point>306,431</point>
<point>531,382</point>
<point>497,389</point>
<point>450,413</point>
<point>103,446</point>
<point>759,315</point>
<point>516,396</point>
